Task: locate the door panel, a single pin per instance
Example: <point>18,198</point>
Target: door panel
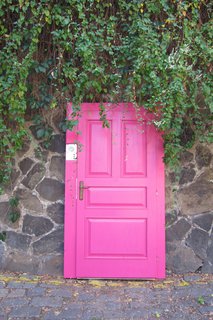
<point>99,163</point>
<point>119,238</point>
<point>116,197</point>
<point>120,213</point>
<point>133,143</point>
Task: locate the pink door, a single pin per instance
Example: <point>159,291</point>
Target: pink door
<point>114,222</point>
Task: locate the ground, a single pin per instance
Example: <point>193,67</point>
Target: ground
<point>50,298</point>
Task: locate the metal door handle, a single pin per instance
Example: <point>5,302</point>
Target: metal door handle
<point>81,190</point>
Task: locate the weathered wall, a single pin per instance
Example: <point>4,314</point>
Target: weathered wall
<point>34,243</point>
<point>189,218</point>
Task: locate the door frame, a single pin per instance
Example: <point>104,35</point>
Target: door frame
<point>70,218</point>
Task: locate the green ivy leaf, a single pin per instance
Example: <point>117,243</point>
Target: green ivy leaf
<point>40,133</point>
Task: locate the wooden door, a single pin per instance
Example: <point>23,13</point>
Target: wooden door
<point>119,198</point>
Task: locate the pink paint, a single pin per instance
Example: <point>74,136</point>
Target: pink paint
<point>117,230</point>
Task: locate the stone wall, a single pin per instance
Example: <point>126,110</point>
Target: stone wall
<point>189,217</point>
<point>34,243</point>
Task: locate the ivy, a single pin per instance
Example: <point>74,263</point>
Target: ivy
<point>14,212</point>
<point>3,236</point>
<point>156,54</point>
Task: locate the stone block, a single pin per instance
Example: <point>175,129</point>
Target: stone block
<point>57,143</point>
<point>36,292</point>
<point>16,293</point>
<point>14,302</point>
<point>206,311</point>
<point>47,302</point>
<point>3,292</point>
<point>18,240</point>
<point>23,285</point>
<point>34,176</point>
<point>51,243</point>
<point>18,261</point>
<point>62,292</point>
<point>4,207</point>
<point>26,312</point>
<point>204,221</point>
<point>182,259</point>
<point>170,198</point>
<point>25,165</point>
<point>29,200</point>
<point>207,267</point>
<point>56,212</point>
<point>173,177</point>
<point>197,197</point>
<point>203,156</point>
<point>187,175</point>
<point>91,312</point>
<point>198,241</point>
<point>209,251</point>
<point>2,253</point>
<point>73,312</point>
<point>186,157</point>
<point>51,189</point>
<point>36,225</point>
<point>171,217</point>
<point>13,284</point>
<point>52,265</point>
<point>57,167</point>
<point>178,230</point>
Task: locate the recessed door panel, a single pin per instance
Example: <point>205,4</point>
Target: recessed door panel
<point>98,163</point>
<point>133,143</point>
<point>118,197</point>
<point>116,238</point>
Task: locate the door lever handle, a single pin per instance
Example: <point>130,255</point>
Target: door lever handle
<point>81,190</point>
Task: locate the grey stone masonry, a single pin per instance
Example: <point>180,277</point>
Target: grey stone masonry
<point>17,240</point>
<point>178,230</point>
<point>34,243</point>
<point>187,175</point>
<point>29,201</point>
<point>51,189</point>
<point>204,221</point>
<point>56,212</point>
<point>196,197</point>
<point>25,165</point>
<point>34,176</point>
<point>50,243</point>
<point>189,218</point>
<point>57,143</point>
<point>203,156</point>
<point>57,166</point>
<point>36,225</point>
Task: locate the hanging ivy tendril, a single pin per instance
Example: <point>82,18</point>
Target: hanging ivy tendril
<point>156,54</point>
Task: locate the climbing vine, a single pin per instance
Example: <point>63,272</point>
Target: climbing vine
<point>153,53</point>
